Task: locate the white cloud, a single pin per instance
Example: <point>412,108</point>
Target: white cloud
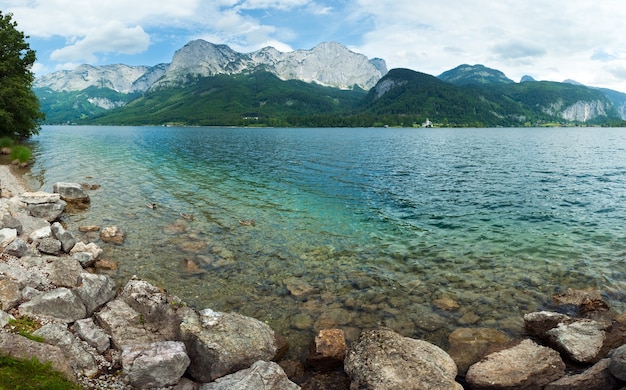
<point>112,37</point>
<point>554,40</point>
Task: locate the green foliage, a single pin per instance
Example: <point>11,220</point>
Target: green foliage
<point>19,108</point>
<point>31,374</point>
<point>21,153</point>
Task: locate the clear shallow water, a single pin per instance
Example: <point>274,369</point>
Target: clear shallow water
<point>355,227</point>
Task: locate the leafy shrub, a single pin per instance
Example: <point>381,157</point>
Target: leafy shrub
<point>21,153</point>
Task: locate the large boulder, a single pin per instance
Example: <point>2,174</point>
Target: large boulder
<point>63,271</point>
<point>71,192</point>
<point>61,304</point>
<point>382,359</point>
<point>157,309</point>
<point>539,323</point>
<point>261,375</point>
<point>43,205</point>
<point>581,341</point>
<point>617,365</point>
<point>158,364</point>
<point>524,366</point>
<point>596,377</point>
<point>95,290</point>
<point>92,334</point>
<point>125,325</point>
<point>222,343</point>
<point>77,355</point>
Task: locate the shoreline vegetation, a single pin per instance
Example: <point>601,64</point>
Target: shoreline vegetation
<point>100,335</point>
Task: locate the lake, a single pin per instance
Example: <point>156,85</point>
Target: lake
<point>421,230</point>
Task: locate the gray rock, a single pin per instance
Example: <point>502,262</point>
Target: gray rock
<point>95,290</point>
<point>125,325</point>
<point>24,277</point>
<point>5,318</point>
<point>40,233</point>
<point>18,248</point>
<point>222,343</point>
<point>92,334</point>
<point>525,366</point>
<point>49,246</point>
<point>85,259</point>
<point>47,211</point>
<point>60,304</point>
<point>581,341</point>
<point>9,221</point>
<point>75,353</point>
<point>6,237</point>
<point>261,375</point>
<point>68,240</point>
<point>22,348</point>
<point>39,197</point>
<point>158,364</point>
<point>10,294</point>
<point>30,224</point>
<point>382,359</point>
<point>71,192</point>
<point>152,303</point>
<point>596,377</point>
<point>617,365</point>
<point>91,247</point>
<point>186,384</point>
<point>63,271</point>
<point>539,323</point>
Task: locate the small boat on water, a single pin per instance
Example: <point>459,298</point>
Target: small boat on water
<point>249,222</point>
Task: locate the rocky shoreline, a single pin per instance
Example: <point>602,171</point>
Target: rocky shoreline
<point>101,335</point>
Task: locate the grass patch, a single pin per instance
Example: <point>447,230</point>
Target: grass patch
<point>31,374</point>
<point>25,326</point>
<point>21,153</point>
<point>6,142</point>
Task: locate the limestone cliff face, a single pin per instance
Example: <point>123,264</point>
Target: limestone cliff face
<point>330,64</point>
<point>117,77</point>
<point>580,111</point>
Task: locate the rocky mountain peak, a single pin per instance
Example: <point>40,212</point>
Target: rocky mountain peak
<point>328,63</point>
<point>474,74</point>
<point>118,77</point>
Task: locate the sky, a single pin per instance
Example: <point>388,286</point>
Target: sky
<point>551,40</point>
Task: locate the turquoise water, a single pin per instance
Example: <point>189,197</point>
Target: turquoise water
<point>355,227</point>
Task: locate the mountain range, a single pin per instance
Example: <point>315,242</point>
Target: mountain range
<point>329,85</point>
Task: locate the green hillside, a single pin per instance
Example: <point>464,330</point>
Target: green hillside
<point>479,97</point>
<point>252,99</point>
<point>70,107</point>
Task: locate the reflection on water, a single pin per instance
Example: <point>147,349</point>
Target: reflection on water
<point>422,230</point>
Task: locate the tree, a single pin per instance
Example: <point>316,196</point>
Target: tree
<point>20,113</point>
